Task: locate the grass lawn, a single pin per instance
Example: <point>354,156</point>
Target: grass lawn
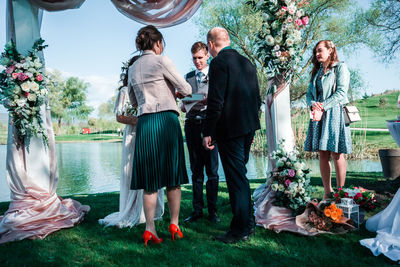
<point>89,244</point>
<point>373,115</point>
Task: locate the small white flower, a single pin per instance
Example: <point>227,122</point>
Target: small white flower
<point>278,39</point>
<point>274,186</point>
<point>21,102</point>
<point>34,86</point>
<point>26,86</point>
<point>18,65</point>
<point>281,187</point>
<point>32,97</point>
<point>270,40</point>
<point>265,16</point>
<point>290,42</point>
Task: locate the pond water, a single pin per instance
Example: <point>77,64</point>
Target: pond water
<point>95,167</point>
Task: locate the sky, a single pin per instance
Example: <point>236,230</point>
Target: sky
<point>92,42</point>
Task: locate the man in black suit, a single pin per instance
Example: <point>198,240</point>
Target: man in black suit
<point>231,120</point>
<point>200,158</point>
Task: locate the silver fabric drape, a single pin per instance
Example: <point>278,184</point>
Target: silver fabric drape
<point>57,5</point>
<point>160,13</point>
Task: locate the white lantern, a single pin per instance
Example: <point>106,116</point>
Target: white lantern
<point>350,209</point>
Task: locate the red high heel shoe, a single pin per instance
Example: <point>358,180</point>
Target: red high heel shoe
<point>150,236</point>
<point>174,230</point>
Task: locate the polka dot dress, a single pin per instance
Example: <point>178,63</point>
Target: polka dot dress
<point>330,133</point>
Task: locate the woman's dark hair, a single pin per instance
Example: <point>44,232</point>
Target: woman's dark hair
<point>332,59</point>
<point>125,68</point>
<point>147,37</point>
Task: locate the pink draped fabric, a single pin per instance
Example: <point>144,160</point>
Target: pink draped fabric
<point>160,13</point>
<point>273,217</point>
<point>57,5</point>
<point>35,210</point>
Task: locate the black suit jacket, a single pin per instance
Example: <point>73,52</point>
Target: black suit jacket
<point>233,96</point>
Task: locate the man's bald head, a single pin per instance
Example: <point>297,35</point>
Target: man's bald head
<point>217,38</point>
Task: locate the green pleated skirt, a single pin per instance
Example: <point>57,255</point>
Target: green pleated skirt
<point>159,159</point>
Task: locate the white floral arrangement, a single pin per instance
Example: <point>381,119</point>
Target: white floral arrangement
<point>129,110</point>
<point>280,38</point>
<point>290,180</point>
<point>23,90</point>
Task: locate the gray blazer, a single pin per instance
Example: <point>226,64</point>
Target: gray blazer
<point>154,78</point>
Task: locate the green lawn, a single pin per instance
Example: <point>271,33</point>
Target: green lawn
<point>89,244</point>
<point>375,116</point>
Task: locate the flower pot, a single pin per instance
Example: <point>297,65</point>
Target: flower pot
<point>390,160</point>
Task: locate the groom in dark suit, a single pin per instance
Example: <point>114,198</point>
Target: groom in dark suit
<point>231,120</point>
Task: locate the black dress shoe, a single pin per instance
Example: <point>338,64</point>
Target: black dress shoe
<point>229,238</point>
<point>193,217</point>
<point>214,218</point>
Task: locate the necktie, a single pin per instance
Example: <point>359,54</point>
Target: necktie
<point>199,77</point>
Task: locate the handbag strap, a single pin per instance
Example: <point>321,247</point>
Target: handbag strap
<point>334,84</point>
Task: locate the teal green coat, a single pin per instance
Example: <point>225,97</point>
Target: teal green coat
<point>328,80</point>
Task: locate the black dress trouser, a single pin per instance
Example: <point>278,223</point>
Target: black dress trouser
<point>234,154</point>
<point>200,158</point>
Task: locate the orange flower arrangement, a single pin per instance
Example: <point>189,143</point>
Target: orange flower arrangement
<point>333,212</point>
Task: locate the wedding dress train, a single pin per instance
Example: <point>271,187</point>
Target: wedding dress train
<point>387,226</point>
<point>130,201</point>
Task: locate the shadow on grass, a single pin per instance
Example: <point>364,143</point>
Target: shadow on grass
<point>91,244</point>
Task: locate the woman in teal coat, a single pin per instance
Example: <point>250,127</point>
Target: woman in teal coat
<point>327,132</point>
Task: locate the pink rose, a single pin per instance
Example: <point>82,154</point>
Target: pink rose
<point>284,8</point>
<point>290,19</point>
<point>358,195</point>
<point>304,20</point>
<point>26,94</point>
<point>299,22</point>
<point>288,182</point>
<point>291,173</point>
<point>39,78</point>
<point>10,69</point>
<point>14,75</point>
<point>22,76</point>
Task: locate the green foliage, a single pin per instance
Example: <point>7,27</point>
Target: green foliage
<point>90,244</point>
<point>382,20</point>
<point>68,98</point>
<point>329,19</point>
<point>106,109</point>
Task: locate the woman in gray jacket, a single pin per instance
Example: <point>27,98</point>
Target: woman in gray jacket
<point>327,132</point>
<point>159,156</point>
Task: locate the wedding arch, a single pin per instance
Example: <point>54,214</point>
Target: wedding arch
<point>35,210</point>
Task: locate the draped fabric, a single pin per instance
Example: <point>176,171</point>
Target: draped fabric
<point>130,201</point>
<point>31,167</point>
<point>57,5</point>
<point>160,13</point>
<point>386,224</point>
<point>273,217</point>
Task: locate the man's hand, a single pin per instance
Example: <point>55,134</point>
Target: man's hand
<point>207,143</point>
<point>179,95</point>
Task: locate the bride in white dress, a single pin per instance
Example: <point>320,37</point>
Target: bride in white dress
<point>130,201</point>
<point>387,226</point>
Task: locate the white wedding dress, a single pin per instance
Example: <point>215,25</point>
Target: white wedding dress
<point>130,201</point>
<point>387,226</point>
